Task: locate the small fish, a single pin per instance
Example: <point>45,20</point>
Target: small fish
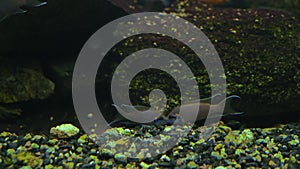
<point>11,7</point>
<point>204,107</point>
<point>142,112</point>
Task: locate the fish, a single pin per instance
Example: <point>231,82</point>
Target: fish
<point>130,111</point>
<point>134,6</point>
<point>159,118</point>
<point>12,7</point>
<point>204,107</point>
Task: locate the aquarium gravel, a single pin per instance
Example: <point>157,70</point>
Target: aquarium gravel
<point>276,147</point>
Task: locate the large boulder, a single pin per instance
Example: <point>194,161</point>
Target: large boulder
<point>259,49</point>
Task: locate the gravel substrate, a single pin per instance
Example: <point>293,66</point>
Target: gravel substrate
<point>226,148</point>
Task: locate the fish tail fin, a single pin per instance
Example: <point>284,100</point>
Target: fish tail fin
<point>118,118</point>
<point>35,3</point>
<point>228,110</point>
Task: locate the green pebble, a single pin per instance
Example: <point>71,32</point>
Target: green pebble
<point>221,167</point>
<point>192,164</point>
<point>127,132</point>
<point>120,158</point>
<point>79,149</point>
<point>82,139</point>
<point>294,142</point>
<point>50,150</point>
<point>107,152</point>
<point>52,141</point>
<point>69,165</point>
<point>144,165</point>
<point>168,128</point>
<point>217,155</point>
<point>11,151</point>
<point>165,158</point>
<point>5,134</point>
<point>119,130</point>
<point>261,141</point>
<point>35,146</point>
<point>37,137</point>
<point>27,136</point>
<point>21,148</point>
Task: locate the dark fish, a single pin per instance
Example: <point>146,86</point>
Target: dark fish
<point>133,6</point>
<point>11,7</point>
<point>204,107</point>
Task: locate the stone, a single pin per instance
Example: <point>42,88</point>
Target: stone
<point>64,131</point>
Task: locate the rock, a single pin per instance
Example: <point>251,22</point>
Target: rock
<point>120,158</point>
<point>237,138</point>
<point>64,131</point>
<point>191,165</point>
<point>23,85</point>
<point>259,49</point>
<point>20,83</point>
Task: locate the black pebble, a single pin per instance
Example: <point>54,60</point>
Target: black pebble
<point>92,165</point>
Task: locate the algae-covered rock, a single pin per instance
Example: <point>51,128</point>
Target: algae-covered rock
<point>24,84</point>
<point>259,49</point>
<point>64,131</point>
<point>19,84</point>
